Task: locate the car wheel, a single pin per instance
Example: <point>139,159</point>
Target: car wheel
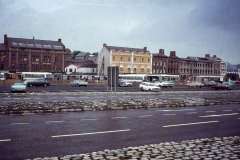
<point>142,88</point>
<point>71,85</point>
<point>188,86</point>
<point>85,85</point>
<point>79,85</point>
<point>45,85</point>
<point>30,85</point>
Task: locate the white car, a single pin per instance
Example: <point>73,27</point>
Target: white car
<point>79,83</point>
<point>146,86</point>
<point>164,84</point>
<point>195,84</point>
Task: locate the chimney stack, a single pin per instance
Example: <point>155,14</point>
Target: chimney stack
<point>161,51</point>
<point>207,55</point>
<point>59,40</point>
<point>5,39</point>
<point>172,53</point>
<point>104,45</point>
<point>145,49</point>
<point>214,56</point>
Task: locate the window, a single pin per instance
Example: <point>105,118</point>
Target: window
<point>142,59</point>
<point>129,59</point>
<point>121,68</point>
<point>113,58</point>
<point>142,69</point>
<point>121,58</point>
<point>24,66</point>
<point>134,59</point>
<point>13,57</point>
<point>25,58</point>
<point>70,70</point>
<point>135,70</point>
<point>13,66</point>
<point>49,58</point>
<point>129,69</point>
<point>148,60</point>
<point>20,66</point>
<point>45,59</point>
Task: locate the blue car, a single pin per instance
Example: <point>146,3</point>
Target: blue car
<point>18,87</point>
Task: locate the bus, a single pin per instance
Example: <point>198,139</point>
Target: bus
<point>163,77</point>
<point>2,76</point>
<point>35,75</point>
<point>132,77</point>
<point>205,78</point>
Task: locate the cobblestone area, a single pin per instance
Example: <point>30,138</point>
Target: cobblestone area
<point>100,105</point>
<point>225,148</point>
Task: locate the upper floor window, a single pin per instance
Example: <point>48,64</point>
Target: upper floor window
<point>129,58</point>
<point>13,57</point>
<point>148,60</point>
<point>134,59</point>
<point>142,59</point>
<point>113,58</point>
<point>121,58</point>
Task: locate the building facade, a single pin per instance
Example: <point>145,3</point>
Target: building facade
<point>129,60</point>
<point>159,62</point>
<point>33,55</point>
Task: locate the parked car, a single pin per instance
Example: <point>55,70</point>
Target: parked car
<point>37,83</point>
<point>146,86</point>
<point>122,83</point>
<point>164,83</point>
<point>79,83</point>
<point>18,87</point>
<point>210,83</point>
<point>228,83</point>
<point>223,86</point>
<point>237,81</point>
<point>195,84</point>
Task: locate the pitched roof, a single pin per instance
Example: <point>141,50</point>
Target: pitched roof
<point>89,65</point>
<point>126,49</point>
<point>35,44</point>
<point>79,60</point>
<point>82,54</point>
<point>3,47</point>
<point>159,55</point>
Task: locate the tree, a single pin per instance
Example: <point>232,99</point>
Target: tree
<point>75,53</point>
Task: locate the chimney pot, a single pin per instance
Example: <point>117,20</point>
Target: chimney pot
<point>59,40</point>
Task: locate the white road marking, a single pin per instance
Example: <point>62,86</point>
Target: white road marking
<point>26,98</point>
<point>118,117</point>
<point>210,111</point>
<point>176,125</point>
<point>6,98</point>
<point>37,98</point>
<point>127,96</point>
<point>16,98</point>
<point>219,115</point>
<point>91,133</point>
<point>82,97</point>
<point>18,123</point>
<point>88,119</point>
<point>176,110</point>
<point>227,110</point>
<point>169,114</point>
<point>146,116</point>
<point>70,97</point>
<point>191,112</point>
<point>5,140</point>
<point>54,121</point>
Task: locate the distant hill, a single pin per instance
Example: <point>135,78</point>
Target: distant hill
<point>232,67</point>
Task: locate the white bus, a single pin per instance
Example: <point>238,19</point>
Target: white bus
<point>163,77</point>
<point>2,76</point>
<point>35,75</point>
<point>132,77</point>
<point>205,78</point>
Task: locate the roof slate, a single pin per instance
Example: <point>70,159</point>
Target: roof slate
<point>125,49</point>
<point>3,47</point>
<point>79,60</point>
<point>35,43</point>
<point>159,55</point>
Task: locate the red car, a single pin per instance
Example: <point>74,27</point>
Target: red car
<point>237,81</point>
<point>222,87</point>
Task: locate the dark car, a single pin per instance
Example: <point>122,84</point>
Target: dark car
<point>237,81</point>
<point>222,87</point>
<point>37,83</point>
<point>210,83</point>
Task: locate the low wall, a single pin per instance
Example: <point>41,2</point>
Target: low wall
<point>9,82</point>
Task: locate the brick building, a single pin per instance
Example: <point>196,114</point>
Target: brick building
<point>32,55</point>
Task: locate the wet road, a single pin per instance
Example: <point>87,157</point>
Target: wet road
<point>49,135</point>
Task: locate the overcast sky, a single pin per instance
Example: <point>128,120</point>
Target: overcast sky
<point>189,27</point>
